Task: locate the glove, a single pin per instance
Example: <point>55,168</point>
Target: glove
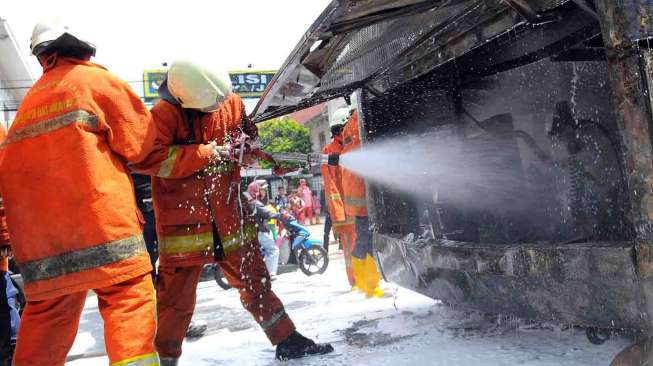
<point>333,159</point>
<point>221,152</point>
<point>5,251</point>
<point>240,151</point>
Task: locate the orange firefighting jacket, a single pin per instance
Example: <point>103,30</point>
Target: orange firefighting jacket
<point>353,186</point>
<point>333,191</point>
<point>201,211</point>
<point>70,203</point>
<point>4,233</point>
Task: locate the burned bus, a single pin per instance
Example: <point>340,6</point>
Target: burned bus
<point>562,86</point>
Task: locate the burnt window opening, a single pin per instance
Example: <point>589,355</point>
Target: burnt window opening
<point>552,133</point>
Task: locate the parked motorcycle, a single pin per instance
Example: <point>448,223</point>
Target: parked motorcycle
<point>297,249</point>
<point>308,253</point>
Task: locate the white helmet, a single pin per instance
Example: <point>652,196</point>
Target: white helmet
<point>52,33</point>
<point>340,116</point>
<point>198,87</point>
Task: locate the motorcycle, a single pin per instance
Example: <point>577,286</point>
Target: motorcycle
<point>308,253</point>
<point>297,249</point>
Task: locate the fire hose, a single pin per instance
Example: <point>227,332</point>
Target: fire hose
<point>242,148</point>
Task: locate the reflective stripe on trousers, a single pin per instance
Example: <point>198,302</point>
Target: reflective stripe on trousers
<point>186,243</point>
<point>236,241</point>
<point>274,319</point>
<point>204,242</point>
<point>83,259</point>
<point>150,359</point>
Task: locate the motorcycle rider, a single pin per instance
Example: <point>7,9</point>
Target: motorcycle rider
<point>262,215</point>
<point>200,213</point>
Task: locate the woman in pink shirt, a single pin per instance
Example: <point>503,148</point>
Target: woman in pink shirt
<point>304,192</point>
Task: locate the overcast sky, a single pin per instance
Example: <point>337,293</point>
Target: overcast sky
<point>141,34</point>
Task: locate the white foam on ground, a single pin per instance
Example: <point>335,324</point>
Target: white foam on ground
<point>408,329</point>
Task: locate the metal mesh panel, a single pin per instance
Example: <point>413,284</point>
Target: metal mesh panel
<point>549,4</point>
<point>375,47</point>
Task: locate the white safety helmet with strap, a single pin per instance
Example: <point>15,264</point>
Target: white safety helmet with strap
<point>340,116</point>
<point>198,87</point>
<point>53,33</point>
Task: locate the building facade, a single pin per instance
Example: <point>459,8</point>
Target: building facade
<point>15,75</point>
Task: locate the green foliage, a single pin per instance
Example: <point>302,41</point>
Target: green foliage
<point>284,136</point>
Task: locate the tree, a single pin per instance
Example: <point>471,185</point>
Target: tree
<point>285,135</point>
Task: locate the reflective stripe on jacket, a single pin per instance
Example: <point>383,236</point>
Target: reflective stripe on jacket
<point>353,186</point>
<point>189,207</point>
<point>70,202</point>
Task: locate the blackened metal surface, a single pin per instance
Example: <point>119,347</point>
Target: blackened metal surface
<point>625,21</point>
<point>380,45</point>
<point>623,24</point>
<point>586,284</point>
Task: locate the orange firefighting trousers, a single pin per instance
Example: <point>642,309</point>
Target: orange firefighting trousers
<point>347,235</point>
<point>48,327</point>
<point>245,271</point>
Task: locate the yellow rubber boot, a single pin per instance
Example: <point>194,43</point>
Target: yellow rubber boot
<point>372,278</point>
<point>358,266</point>
<point>378,292</point>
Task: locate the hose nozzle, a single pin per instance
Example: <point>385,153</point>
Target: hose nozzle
<point>309,159</point>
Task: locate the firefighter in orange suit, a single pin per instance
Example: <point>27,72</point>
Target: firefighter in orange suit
<point>343,225</point>
<point>5,249</point>
<point>365,271</point>
<point>71,212</point>
<point>9,317</point>
<point>201,216</point>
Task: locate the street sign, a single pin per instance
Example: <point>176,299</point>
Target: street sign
<point>250,83</point>
<point>246,83</point>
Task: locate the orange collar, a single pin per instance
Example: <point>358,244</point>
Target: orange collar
<point>67,61</point>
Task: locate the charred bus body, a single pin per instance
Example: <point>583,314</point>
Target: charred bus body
<point>562,87</point>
